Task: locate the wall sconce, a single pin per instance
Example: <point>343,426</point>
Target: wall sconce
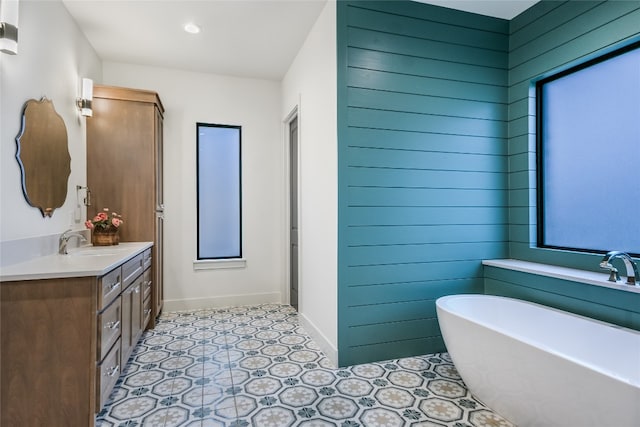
<point>9,26</point>
<point>84,102</point>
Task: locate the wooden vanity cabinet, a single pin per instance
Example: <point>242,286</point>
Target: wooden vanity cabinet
<point>65,342</point>
<point>124,169</point>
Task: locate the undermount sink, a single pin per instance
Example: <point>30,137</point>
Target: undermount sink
<point>95,251</point>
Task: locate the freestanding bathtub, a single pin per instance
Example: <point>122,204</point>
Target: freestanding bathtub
<point>538,366</point>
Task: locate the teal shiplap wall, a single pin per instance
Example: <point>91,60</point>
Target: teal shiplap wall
<point>422,154</point>
<point>609,305</point>
<point>547,37</point>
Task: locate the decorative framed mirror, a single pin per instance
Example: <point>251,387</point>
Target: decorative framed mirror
<point>43,155</point>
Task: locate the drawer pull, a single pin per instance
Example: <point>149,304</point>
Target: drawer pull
<point>113,325</point>
<point>113,286</point>
<point>112,371</point>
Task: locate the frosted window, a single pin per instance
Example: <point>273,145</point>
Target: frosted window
<point>219,198</point>
<point>589,147</point>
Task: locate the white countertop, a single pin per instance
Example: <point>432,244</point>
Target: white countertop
<point>80,262</point>
<point>565,273</point>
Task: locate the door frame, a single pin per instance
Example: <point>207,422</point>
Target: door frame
<point>293,114</point>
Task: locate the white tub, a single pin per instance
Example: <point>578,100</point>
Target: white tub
<point>538,366</point>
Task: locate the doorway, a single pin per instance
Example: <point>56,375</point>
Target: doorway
<point>293,212</point>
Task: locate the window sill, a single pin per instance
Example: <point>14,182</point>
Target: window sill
<point>217,264</point>
<point>564,273</point>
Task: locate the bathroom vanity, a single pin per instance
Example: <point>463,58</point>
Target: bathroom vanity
<point>68,324</point>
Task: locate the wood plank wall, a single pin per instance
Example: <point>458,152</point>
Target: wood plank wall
<point>609,305</point>
<point>550,36</point>
<point>422,128</point>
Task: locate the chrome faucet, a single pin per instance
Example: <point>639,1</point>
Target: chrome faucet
<point>64,240</point>
<point>633,278</point>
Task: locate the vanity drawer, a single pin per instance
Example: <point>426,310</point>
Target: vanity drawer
<point>109,327</point>
<point>146,284</point>
<point>131,270</point>
<point>147,259</point>
<point>107,374</point>
<point>110,286</point>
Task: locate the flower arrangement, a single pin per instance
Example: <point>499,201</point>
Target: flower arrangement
<point>104,222</point>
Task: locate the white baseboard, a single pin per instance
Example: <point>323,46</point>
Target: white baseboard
<point>222,301</point>
<point>325,345</point>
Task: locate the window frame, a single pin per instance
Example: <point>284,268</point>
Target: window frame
<point>539,127</point>
<point>200,259</point>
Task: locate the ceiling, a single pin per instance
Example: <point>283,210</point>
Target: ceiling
<point>245,38</point>
<point>505,9</point>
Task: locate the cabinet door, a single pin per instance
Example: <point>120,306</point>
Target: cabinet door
<point>120,136</point>
<point>158,295</point>
<point>136,311</point>
<point>147,284</point>
<point>158,286</point>
<point>131,318</point>
<point>125,341</point>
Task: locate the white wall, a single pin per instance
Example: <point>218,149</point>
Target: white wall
<point>188,98</point>
<point>311,82</point>
<point>52,56</point>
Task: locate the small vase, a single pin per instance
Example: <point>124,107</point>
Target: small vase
<point>105,237</point>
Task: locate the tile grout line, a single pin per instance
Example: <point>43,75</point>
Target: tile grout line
<point>203,358</point>
<point>228,346</point>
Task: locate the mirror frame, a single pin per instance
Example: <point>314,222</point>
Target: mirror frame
<point>43,155</point>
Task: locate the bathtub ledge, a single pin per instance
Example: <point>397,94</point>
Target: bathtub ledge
<point>565,273</point>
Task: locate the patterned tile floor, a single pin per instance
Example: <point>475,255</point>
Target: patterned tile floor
<point>255,366</point>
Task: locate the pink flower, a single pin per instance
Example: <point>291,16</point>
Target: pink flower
<point>104,221</point>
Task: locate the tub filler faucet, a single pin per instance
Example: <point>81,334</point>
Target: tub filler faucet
<point>64,240</point>
<point>633,278</point>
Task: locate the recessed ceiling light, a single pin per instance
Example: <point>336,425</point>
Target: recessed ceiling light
<point>191,28</point>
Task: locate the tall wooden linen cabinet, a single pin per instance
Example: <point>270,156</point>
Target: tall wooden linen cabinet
<point>124,169</point>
